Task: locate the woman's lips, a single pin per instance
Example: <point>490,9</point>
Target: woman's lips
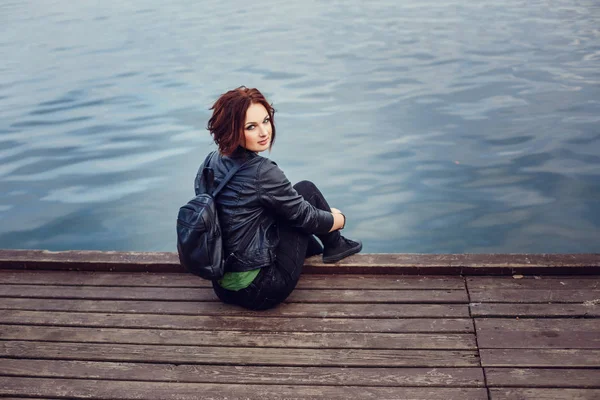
<point>263,142</point>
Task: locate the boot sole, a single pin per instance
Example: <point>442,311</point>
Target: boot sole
<point>347,253</point>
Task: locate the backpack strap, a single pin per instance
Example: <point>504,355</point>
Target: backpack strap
<point>208,175</point>
<point>231,172</point>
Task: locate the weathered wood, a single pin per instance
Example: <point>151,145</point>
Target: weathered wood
<point>107,293</point>
<point>125,390</point>
<point>29,259</point>
<point>467,264</point>
<point>90,260</point>
<point>589,309</point>
<point>540,358</point>
<point>501,260</point>
<point>534,296</point>
<point>290,310</point>
<point>535,283</point>
<point>101,278</point>
<point>544,394</point>
<point>540,377</point>
<point>424,264</point>
<point>538,333</point>
<point>234,323</point>
<point>238,355</point>
<point>347,332</point>
<point>449,377</point>
<point>307,281</point>
<point>379,296</point>
<point>241,338</point>
<point>205,294</point>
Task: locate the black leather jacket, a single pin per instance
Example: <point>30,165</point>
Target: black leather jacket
<point>256,198</point>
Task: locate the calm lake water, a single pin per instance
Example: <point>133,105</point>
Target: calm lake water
<point>437,127</point>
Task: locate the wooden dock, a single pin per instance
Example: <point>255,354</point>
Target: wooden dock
<point>100,326</point>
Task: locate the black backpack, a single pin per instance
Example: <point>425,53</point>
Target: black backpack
<point>199,242</point>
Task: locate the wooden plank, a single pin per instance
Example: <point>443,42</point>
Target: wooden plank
<point>205,294</point>
<point>448,377</point>
<point>533,296</point>
<point>534,282</point>
<point>117,390</point>
<point>234,323</point>
<point>527,264</point>
<point>90,260</point>
<point>238,355</point>
<point>538,333</point>
<point>423,264</point>
<point>589,309</point>
<point>534,289</point>
<point>107,293</point>
<point>169,262</point>
<point>543,377</point>
<point>99,278</point>
<point>240,338</point>
<point>290,310</point>
<point>544,394</point>
<point>540,358</point>
<point>338,281</point>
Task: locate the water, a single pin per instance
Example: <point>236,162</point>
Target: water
<point>435,127</point>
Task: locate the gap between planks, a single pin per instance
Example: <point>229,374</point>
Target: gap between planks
<point>485,380</point>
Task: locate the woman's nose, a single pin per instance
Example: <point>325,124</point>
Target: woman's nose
<point>264,131</point>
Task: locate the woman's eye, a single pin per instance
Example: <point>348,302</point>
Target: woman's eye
<point>249,128</point>
<point>266,120</point>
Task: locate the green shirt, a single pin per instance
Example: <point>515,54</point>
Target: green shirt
<point>238,280</point>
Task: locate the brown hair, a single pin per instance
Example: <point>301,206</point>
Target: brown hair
<point>229,115</point>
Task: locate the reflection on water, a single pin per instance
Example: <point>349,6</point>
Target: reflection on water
<point>436,127</point>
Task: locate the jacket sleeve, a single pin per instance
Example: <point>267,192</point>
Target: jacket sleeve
<point>276,192</point>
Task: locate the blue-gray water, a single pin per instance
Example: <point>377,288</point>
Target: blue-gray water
<point>436,127</point>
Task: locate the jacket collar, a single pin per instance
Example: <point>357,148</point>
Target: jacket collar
<point>243,153</point>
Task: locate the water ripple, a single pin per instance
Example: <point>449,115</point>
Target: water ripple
<point>436,126</point>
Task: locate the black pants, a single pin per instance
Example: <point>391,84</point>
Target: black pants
<point>274,283</point>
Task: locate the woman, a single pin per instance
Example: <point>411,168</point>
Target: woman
<point>267,225</point>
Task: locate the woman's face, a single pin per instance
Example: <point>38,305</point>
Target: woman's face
<point>257,128</point>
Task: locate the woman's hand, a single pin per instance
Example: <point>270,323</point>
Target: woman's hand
<point>339,219</point>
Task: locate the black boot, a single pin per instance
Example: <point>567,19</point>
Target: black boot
<point>340,249</point>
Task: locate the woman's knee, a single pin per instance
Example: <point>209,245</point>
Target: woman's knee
<point>305,188</point>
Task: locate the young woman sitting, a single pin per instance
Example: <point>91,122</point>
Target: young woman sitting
<point>267,224</point>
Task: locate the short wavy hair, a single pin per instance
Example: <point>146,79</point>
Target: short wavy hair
<point>229,115</point>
